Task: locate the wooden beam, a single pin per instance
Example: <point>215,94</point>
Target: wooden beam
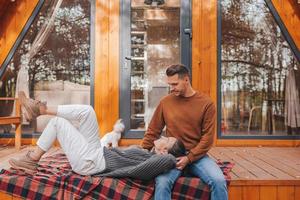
<point>16,18</point>
<point>289,12</point>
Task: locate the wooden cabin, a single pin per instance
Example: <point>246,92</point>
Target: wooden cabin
<point>112,54</point>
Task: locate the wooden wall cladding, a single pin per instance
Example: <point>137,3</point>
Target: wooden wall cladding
<point>12,23</point>
<point>204,47</point>
<point>204,56</point>
<point>106,88</point>
<point>289,12</point>
<point>263,192</point>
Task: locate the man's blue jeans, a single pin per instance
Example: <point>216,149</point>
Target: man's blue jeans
<point>204,168</point>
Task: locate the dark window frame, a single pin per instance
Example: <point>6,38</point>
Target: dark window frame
<point>124,91</point>
<point>92,43</point>
<point>295,51</point>
<point>20,39</point>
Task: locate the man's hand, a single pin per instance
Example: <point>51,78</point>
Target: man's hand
<point>182,162</point>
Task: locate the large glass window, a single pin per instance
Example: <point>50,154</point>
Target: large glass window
<point>153,33</point>
<point>52,63</point>
<point>155,44</point>
<point>260,75</point>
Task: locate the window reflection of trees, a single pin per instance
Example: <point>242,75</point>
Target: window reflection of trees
<point>65,54</point>
<point>255,62</point>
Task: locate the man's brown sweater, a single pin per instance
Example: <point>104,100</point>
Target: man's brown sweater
<point>190,119</point>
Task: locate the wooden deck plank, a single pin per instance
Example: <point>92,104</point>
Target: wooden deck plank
<point>238,171</point>
<point>252,168</point>
<point>269,153</point>
<point>290,154</point>
<point>255,159</point>
<point>213,155</point>
<point>274,162</point>
<point>286,153</point>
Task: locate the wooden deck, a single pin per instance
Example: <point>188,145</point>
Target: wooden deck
<point>271,173</point>
<point>260,173</point>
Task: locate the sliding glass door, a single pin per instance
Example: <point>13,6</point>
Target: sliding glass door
<point>154,34</point>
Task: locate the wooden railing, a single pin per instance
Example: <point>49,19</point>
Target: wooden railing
<point>16,120</point>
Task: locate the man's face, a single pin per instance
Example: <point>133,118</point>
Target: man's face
<point>163,144</point>
<point>178,86</point>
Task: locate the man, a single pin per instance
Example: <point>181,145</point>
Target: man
<point>83,148</point>
<point>190,117</point>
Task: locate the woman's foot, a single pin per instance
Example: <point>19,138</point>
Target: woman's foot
<point>33,108</point>
<point>27,163</point>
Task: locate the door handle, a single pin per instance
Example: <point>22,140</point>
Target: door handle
<point>188,31</point>
<point>128,57</point>
<point>126,63</point>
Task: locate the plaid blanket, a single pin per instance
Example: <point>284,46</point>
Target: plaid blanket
<point>56,180</point>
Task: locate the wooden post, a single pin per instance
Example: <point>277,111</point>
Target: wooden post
<point>18,126</point>
<point>18,136</point>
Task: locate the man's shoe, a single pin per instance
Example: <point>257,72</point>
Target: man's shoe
<point>26,163</point>
<point>32,107</point>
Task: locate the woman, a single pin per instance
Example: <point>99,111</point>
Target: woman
<point>83,148</point>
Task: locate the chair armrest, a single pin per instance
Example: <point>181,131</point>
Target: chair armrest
<point>8,98</point>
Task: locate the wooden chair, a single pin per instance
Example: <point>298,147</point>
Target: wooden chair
<point>16,120</point>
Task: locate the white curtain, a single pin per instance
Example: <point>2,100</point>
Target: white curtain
<point>292,101</point>
<point>22,83</point>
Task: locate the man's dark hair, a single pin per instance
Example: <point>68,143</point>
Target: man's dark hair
<point>179,69</point>
<point>178,149</point>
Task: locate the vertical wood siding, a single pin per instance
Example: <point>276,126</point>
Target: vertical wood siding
<point>289,12</point>
<point>204,58</point>
<point>107,63</point>
<point>15,19</point>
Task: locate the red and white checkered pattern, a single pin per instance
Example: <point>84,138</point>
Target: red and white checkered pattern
<point>55,180</point>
